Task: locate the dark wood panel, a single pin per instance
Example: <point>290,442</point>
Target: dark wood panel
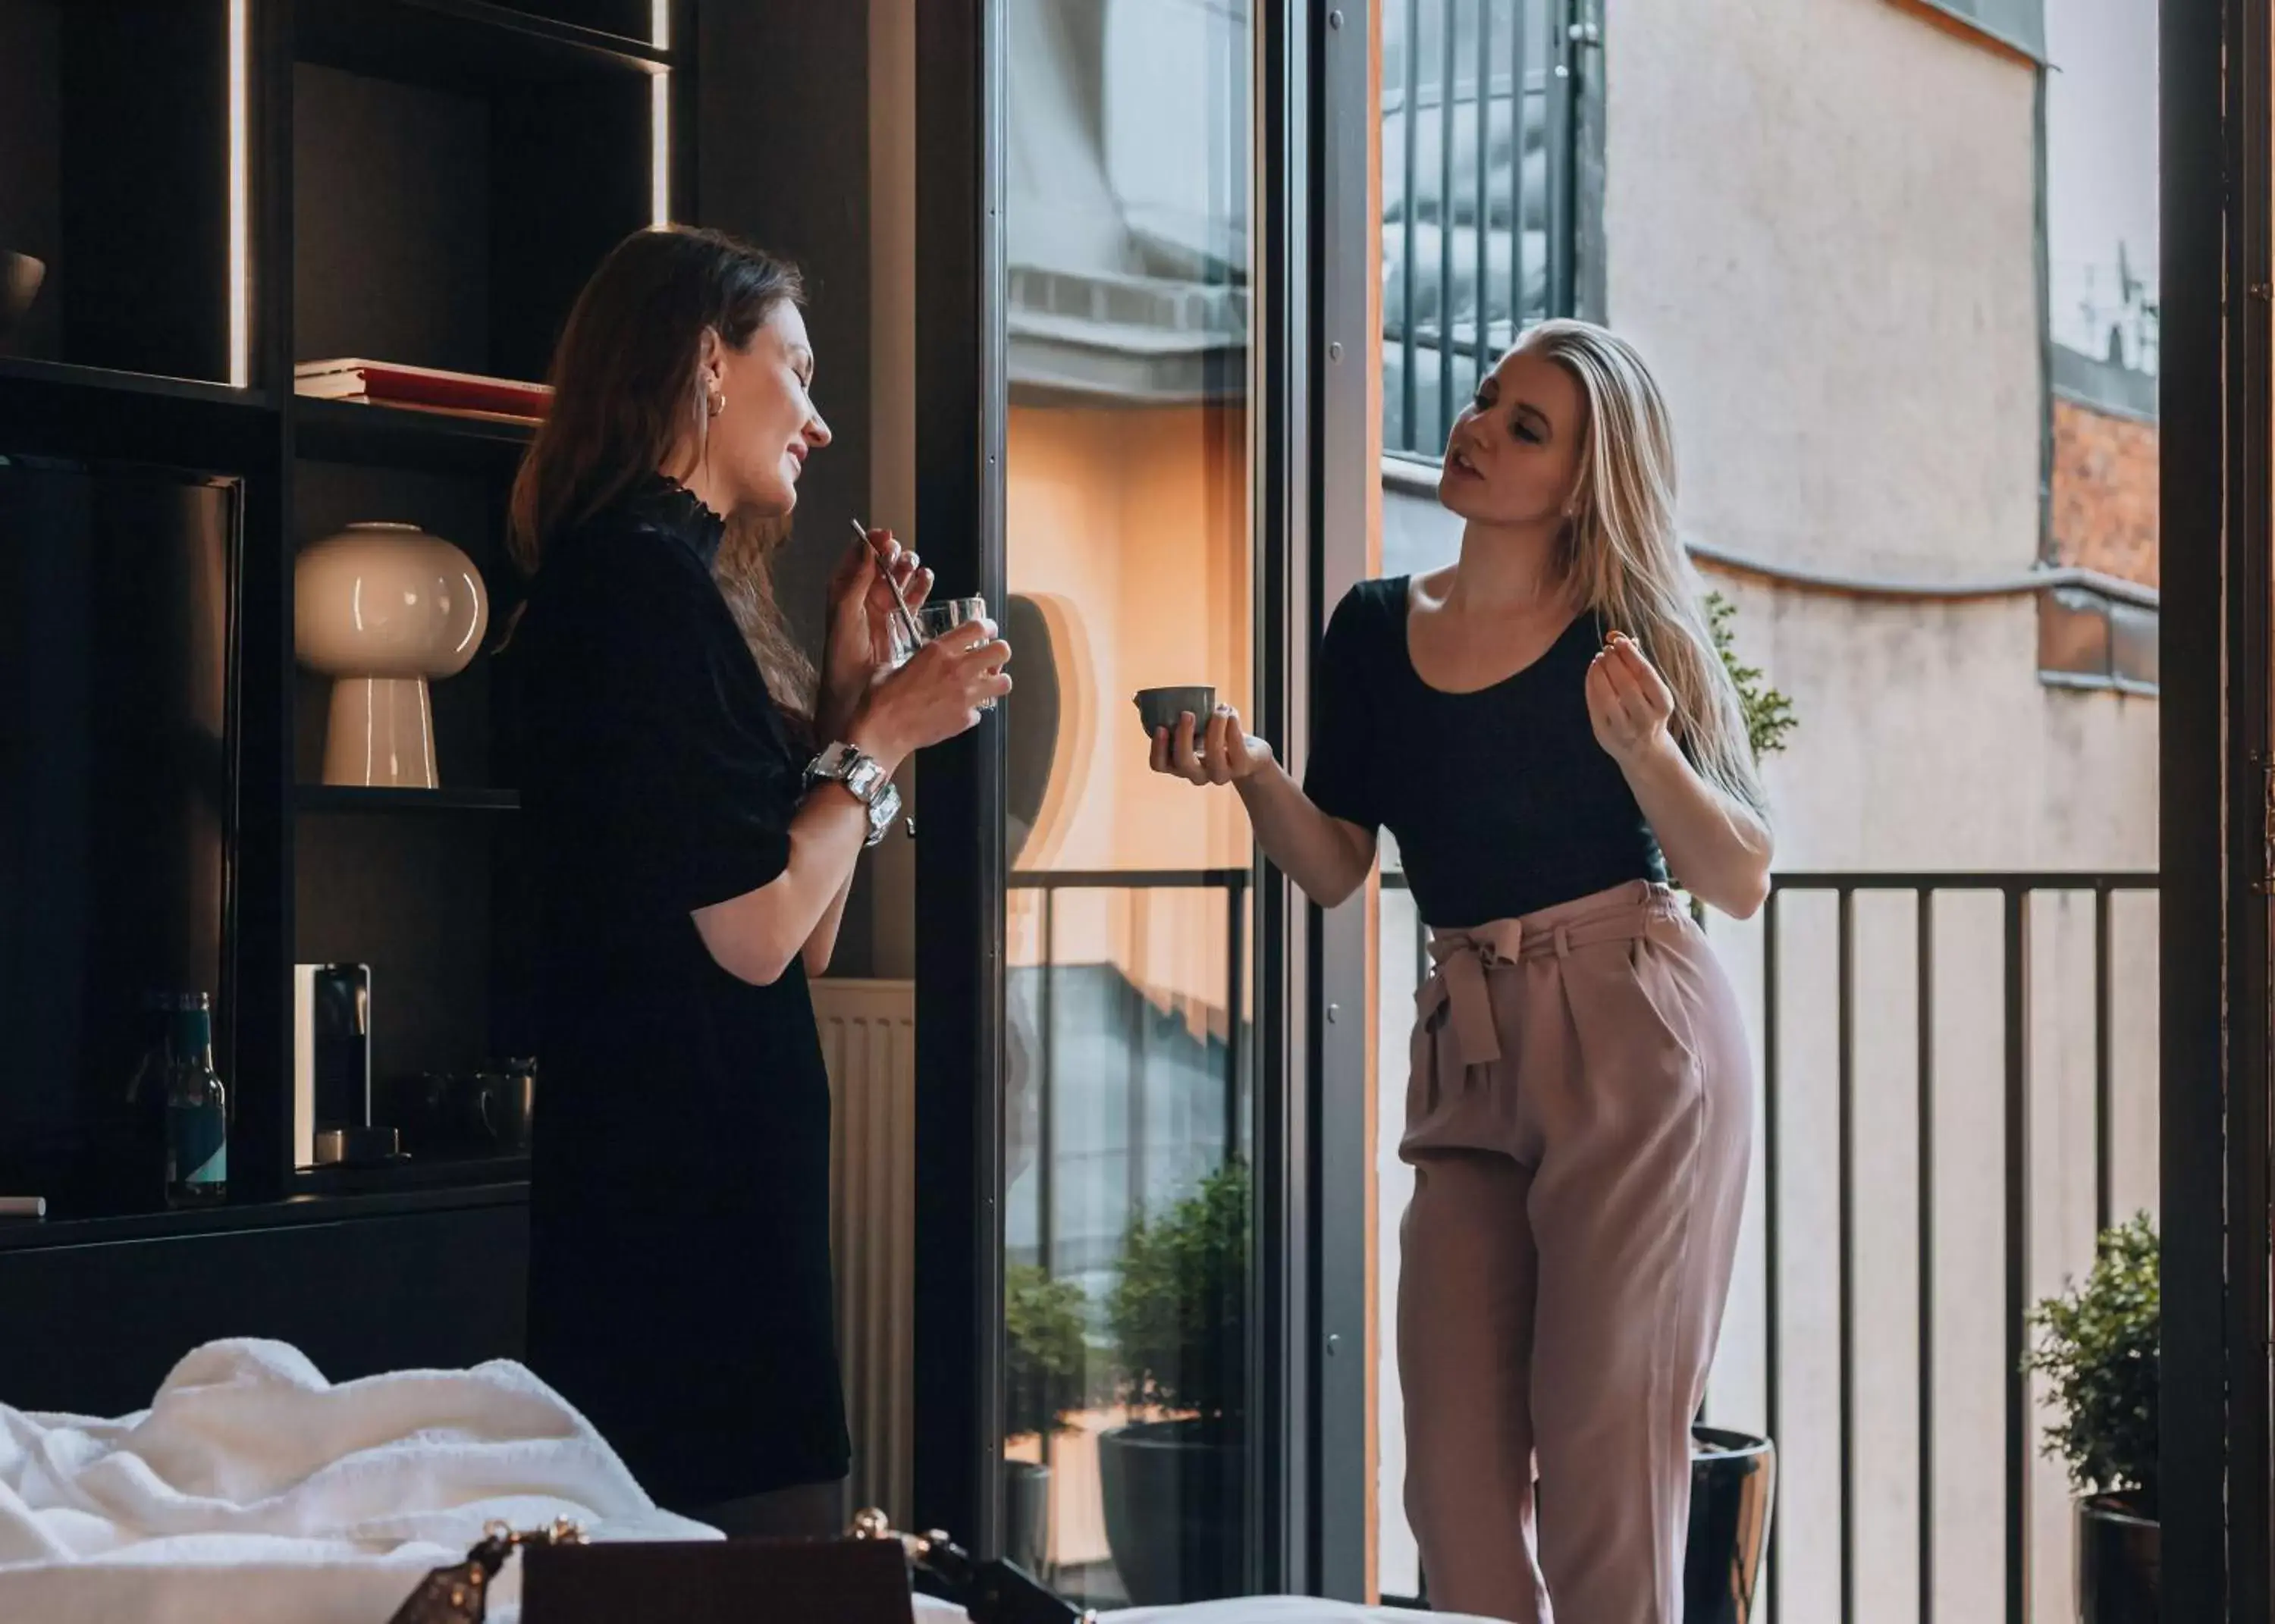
<point>31,156</point>
<point>94,1329</point>
<point>145,192</point>
<point>390,201</point>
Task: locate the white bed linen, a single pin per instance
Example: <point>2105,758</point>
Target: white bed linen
<point>254,1492</point>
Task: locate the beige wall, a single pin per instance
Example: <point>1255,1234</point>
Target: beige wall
<point>1820,218</point>
<point>1819,223</point>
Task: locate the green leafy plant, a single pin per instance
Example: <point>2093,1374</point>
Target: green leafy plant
<point>1179,1305</point>
<point>1044,1355</point>
<point>1045,1358</point>
<point>1769,713</point>
<point>2096,1348</point>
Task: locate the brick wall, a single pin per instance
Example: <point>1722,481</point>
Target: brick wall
<point>2104,492</point>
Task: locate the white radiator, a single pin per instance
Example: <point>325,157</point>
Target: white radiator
<point>868,1040</point>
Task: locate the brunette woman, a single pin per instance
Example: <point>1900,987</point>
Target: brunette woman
<point>696,798</point>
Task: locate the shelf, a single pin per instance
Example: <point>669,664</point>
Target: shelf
<point>412,1173</point>
<point>25,370</point>
<point>56,409</point>
<point>347,431</point>
<point>353,800</point>
<point>465,45</point>
<point>17,1234</point>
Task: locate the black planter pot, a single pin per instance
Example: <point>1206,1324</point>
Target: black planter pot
<point>1174,1514</point>
<point>1026,1514</point>
<point>1733,1491</point>
<point>2120,1554</point>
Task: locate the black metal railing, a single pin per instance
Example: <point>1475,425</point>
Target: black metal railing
<point>1478,190</point>
<point>2017,891</point>
<point>1049,885</point>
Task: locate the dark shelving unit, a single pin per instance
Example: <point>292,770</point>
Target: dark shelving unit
<point>421,181</point>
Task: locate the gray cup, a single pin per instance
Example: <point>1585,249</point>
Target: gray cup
<point>1159,707</point>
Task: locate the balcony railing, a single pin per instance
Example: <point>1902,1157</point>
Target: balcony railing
<point>1819,1042</point>
<point>1945,979</point>
<point>1477,189</point>
<point>1147,1141</point>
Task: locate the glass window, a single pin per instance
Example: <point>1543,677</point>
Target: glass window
<point>1470,249</point>
<point>1126,1074</point>
<point>2019,22</point>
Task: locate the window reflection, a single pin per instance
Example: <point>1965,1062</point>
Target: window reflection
<point>1127,1078</point>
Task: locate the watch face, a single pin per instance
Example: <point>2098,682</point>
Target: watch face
<point>862,776</point>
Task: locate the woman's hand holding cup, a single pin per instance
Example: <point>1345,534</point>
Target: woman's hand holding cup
<point>935,695</point>
<point>860,643</point>
<point>1223,751</point>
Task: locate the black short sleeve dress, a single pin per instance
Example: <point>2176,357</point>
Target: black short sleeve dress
<point>680,1249</point>
<point>1501,801</point>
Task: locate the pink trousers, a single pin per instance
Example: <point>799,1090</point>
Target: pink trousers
<point>1578,1117</point>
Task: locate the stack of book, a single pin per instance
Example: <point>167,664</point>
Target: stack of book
<point>423,388</point>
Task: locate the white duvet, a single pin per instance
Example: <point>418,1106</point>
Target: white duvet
<point>254,1492</point>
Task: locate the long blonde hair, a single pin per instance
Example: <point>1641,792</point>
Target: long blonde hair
<point>1621,554</point>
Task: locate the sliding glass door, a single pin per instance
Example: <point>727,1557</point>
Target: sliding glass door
<point>1132,1377</point>
<point>1128,1069</point>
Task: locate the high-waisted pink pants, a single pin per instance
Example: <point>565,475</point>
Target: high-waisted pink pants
<point>1578,1117</point>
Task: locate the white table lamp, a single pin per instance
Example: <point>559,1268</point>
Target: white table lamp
<point>383,610</point>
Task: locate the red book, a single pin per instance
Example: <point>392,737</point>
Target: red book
<point>395,383</point>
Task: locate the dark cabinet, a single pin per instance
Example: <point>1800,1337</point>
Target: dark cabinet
<point>94,1328</point>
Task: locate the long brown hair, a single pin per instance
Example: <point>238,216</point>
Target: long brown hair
<point>626,396</point>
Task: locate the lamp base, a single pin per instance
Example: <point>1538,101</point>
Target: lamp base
<point>381,734</point>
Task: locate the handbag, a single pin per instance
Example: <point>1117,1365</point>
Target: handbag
<point>459,1594</point>
<point>757,1573</point>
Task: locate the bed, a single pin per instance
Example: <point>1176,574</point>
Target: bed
<point>253,1491</point>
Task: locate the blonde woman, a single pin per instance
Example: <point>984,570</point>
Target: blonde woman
<point>1543,725</point>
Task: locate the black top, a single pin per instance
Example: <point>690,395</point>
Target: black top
<point>1503,802</point>
<point>679,1206</point>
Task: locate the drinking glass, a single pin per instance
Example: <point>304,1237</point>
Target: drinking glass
<point>940,616</point>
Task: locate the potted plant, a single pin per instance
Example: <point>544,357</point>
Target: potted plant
<point>1044,1362</point>
<point>1769,713</point>
<point>2096,1348</point>
<point>1733,1490</point>
<point>1173,1481</point>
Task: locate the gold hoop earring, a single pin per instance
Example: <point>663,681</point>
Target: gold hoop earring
<point>717,402</point>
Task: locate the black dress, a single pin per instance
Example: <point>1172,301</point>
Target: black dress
<point>680,1249</point>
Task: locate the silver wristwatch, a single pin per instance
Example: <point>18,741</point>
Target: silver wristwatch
<point>865,780</point>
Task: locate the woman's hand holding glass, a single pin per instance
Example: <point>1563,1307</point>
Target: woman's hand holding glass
<point>1221,753</point>
<point>863,639</point>
<point>938,692</point>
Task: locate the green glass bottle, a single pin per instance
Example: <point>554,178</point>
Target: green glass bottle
<point>197,1110</point>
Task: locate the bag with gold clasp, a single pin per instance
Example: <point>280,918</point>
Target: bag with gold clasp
<point>459,1594</point>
